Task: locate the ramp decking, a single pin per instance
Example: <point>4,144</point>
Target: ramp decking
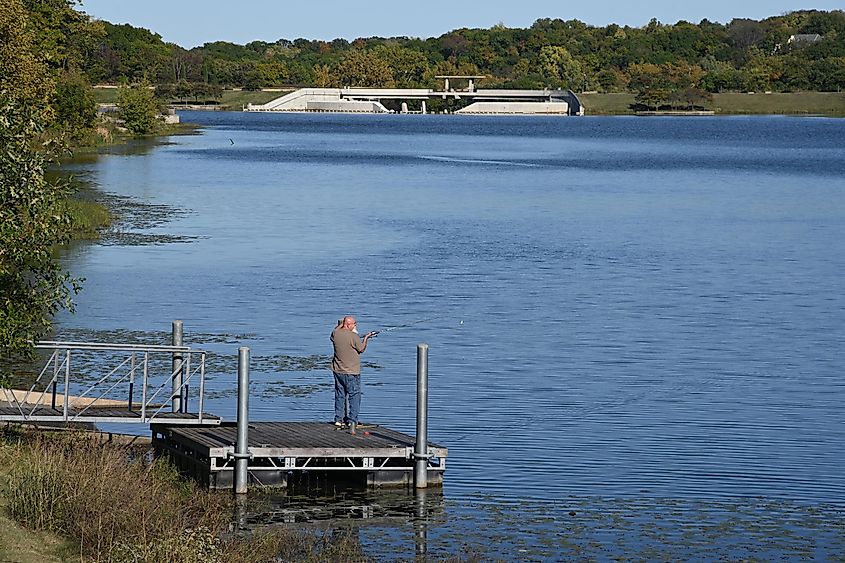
<point>37,413</point>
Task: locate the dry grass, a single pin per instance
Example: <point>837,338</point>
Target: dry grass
<point>115,506</point>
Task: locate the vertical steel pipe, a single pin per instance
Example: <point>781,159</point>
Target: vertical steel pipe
<point>131,380</point>
<point>202,386</point>
<point>144,387</point>
<point>176,373</point>
<point>55,377</point>
<point>241,450</point>
<point>67,382</point>
<point>186,373</point>
<point>421,447</point>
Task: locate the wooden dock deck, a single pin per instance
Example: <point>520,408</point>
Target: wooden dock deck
<point>284,453</point>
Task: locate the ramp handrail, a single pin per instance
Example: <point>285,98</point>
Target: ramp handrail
<point>135,357</point>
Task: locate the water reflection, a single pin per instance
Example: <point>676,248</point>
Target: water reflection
<point>333,502</point>
<point>399,517</point>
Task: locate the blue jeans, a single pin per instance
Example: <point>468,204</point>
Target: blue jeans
<point>347,387</point>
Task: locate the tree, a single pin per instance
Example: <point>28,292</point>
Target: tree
<point>690,98</point>
<point>557,64</point>
<point>23,77</point>
<point>362,68</point>
<point>323,77</point>
<point>829,74</point>
<point>65,38</point>
<point>32,218</point>
<point>408,67</point>
<point>76,108</point>
<point>138,108</point>
<point>652,97</point>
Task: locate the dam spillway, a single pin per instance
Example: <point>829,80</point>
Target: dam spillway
<point>369,100</point>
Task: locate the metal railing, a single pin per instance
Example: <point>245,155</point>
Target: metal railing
<point>124,366</point>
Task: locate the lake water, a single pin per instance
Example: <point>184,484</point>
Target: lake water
<point>636,325</point>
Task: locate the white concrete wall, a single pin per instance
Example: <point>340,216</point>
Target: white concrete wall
<point>345,106</point>
<point>517,108</point>
<point>297,100</point>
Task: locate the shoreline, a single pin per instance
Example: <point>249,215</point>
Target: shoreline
<point>827,104</point>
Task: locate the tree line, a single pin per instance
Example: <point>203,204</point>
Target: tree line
<point>803,50</point>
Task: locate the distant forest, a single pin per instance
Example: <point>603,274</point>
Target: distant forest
<point>803,50</point>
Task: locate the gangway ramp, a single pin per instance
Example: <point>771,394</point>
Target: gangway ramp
<point>89,382</point>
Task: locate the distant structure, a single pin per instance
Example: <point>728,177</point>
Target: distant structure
<point>369,100</point>
<point>804,38</point>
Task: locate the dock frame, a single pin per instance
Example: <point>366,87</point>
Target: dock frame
<point>297,453</point>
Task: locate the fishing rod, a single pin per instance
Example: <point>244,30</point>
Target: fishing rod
<point>407,325</point>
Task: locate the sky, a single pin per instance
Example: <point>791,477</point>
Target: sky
<point>191,23</point>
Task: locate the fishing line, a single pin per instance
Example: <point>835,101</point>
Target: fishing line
<point>408,325</point>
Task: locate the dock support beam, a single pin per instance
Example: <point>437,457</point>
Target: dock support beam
<point>176,340</point>
<point>241,449</point>
<point>421,447</point>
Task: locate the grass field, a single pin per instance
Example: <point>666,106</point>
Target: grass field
<point>798,103</point>
<point>232,99</point>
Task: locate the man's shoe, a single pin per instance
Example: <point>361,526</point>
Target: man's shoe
<point>338,424</point>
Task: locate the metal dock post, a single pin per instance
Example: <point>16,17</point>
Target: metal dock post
<point>241,449</point>
<point>421,448</point>
<point>176,340</point>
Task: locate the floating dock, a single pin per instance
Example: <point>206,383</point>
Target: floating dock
<point>297,453</point>
<point>71,388</point>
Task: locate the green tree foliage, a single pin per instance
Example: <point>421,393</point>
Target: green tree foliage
<point>65,37</point>
<point>138,108</point>
<point>556,64</point>
<point>75,106</point>
<point>32,221</point>
<point>364,68</point>
<point>184,92</point>
<point>132,54</point>
<point>742,55</point>
<point>407,66</point>
<point>24,76</point>
<point>32,218</point>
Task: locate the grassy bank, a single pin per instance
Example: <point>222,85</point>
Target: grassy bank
<point>231,99</point>
<point>112,504</point>
<point>798,103</point>
<point>87,218</point>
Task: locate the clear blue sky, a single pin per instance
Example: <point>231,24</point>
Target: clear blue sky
<point>190,23</point>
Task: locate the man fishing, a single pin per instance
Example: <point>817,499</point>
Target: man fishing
<point>346,366</point>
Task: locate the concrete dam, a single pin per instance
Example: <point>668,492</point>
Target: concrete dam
<point>482,101</point>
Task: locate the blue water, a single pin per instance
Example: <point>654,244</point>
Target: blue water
<point>627,308</point>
